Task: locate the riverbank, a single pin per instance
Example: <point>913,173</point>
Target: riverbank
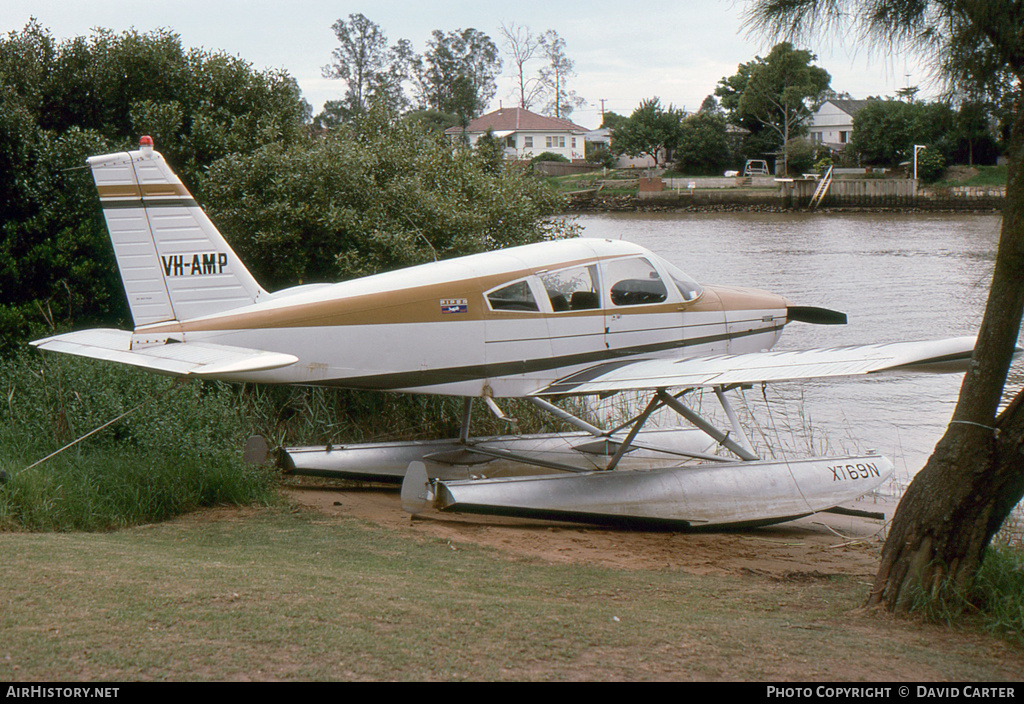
<point>774,201</point>
<point>625,192</point>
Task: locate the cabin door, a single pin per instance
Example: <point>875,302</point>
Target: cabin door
<point>642,315</point>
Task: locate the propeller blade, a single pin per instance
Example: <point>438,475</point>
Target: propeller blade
<point>815,316</point>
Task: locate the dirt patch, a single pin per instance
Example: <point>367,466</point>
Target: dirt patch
<point>811,548</point>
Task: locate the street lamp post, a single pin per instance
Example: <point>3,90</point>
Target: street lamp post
<point>917,148</point>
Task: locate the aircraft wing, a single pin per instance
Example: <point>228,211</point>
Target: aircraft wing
<point>951,354</point>
<point>178,358</point>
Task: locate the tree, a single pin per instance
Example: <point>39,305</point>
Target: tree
<point>456,74</point>
<point>611,120</point>
<point>758,141</point>
<point>908,94</point>
<point>650,131</point>
<point>972,133</point>
<point>885,131</point>
<point>702,147</point>
<point>371,70</point>
<point>957,502</point>
<point>554,77</point>
<point>781,91</point>
<point>522,46</point>
<point>709,104</point>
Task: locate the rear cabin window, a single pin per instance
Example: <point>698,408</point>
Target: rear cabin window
<point>516,296</point>
<point>634,282</point>
<point>572,289</point>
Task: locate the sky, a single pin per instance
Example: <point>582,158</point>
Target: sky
<point>624,52</point>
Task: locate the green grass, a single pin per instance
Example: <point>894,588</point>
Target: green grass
<point>288,594</point>
<point>999,589</point>
<point>584,181</point>
<point>987,176</point>
<point>176,449</point>
<point>995,599</point>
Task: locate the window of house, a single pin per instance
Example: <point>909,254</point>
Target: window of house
<point>528,142</point>
<point>551,142</point>
<point>510,141</point>
<point>843,137</point>
<point>574,288</point>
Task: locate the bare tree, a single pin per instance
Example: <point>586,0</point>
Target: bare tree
<point>522,46</point>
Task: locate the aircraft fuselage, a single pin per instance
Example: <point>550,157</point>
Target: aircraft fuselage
<point>501,323</point>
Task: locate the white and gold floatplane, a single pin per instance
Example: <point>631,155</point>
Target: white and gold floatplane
<point>575,317</point>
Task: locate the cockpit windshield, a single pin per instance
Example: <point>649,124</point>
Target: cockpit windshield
<point>689,289</point>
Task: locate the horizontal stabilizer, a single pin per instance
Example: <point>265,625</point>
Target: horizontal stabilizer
<point>948,355</point>
<point>175,358</point>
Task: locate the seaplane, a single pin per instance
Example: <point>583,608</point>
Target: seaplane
<point>576,318</point>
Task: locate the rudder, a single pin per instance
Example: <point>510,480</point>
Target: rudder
<point>174,263</point>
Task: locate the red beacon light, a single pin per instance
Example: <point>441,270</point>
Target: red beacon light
<point>146,143</point>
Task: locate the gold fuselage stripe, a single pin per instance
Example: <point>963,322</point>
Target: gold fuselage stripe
<point>421,304</point>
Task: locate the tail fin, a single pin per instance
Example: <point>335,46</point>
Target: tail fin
<point>174,263</point>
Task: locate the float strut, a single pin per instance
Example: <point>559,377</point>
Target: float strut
<point>723,438</point>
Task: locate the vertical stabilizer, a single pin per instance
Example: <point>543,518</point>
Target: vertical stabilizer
<point>174,263</point>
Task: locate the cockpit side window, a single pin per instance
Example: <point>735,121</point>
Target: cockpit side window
<point>634,282</point>
<point>515,296</point>
<point>572,289</point>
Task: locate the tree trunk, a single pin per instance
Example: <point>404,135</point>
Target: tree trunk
<point>975,476</point>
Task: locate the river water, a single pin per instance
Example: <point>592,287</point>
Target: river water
<point>905,276</point>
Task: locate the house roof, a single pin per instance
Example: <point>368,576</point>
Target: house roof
<point>850,107</point>
<point>518,120</point>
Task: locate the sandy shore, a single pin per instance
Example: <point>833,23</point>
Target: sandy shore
<point>810,547</point>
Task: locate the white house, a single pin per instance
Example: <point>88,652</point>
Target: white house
<point>832,124</point>
<point>602,137</point>
<point>526,134</point>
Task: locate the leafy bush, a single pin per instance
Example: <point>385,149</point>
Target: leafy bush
<point>822,164</point>
<point>801,156</point>
<point>548,156</point>
<point>931,165</point>
<point>602,156</point>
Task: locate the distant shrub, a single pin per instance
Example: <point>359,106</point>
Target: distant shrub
<point>548,156</point>
<point>931,165</point>
<point>602,156</point>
